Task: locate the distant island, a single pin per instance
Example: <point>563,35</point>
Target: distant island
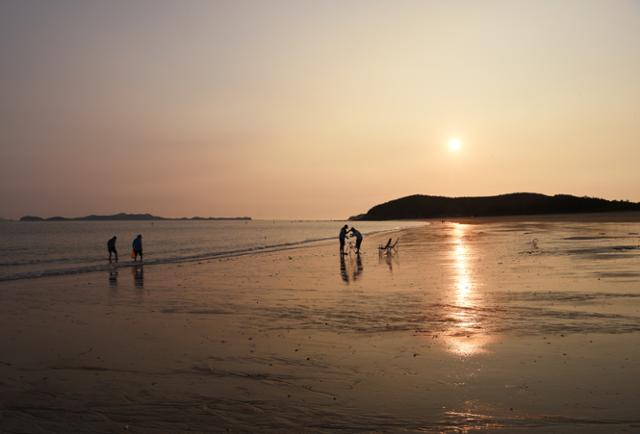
<point>122,217</point>
<point>421,207</point>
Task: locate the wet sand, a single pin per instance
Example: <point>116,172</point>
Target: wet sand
<point>501,326</point>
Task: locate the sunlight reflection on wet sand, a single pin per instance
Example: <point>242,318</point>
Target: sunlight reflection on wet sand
<point>466,337</point>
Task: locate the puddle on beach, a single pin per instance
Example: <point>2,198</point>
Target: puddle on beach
<point>502,326</point>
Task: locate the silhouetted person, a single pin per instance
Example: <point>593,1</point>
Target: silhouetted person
<point>342,237</point>
<point>111,247</point>
<point>358,236</point>
<point>137,248</point>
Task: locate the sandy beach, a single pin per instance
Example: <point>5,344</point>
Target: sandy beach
<point>504,326</point>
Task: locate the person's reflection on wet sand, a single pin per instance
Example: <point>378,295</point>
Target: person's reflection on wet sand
<point>359,268</point>
<point>348,270</point>
<point>113,278</point>
<point>389,260</point>
<point>138,276</point>
<point>343,269</point>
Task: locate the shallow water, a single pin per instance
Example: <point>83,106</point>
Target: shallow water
<point>467,328</point>
<point>36,249</point>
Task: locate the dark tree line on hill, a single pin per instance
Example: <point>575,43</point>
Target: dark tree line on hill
<point>421,206</point>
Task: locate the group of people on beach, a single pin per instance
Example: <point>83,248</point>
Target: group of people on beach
<point>342,237</point>
<point>353,232</point>
<point>345,232</point>
<point>135,252</point>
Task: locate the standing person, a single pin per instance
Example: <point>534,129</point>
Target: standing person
<point>358,236</point>
<point>137,248</point>
<point>342,237</point>
<point>111,247</point>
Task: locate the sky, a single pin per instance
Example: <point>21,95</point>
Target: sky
<point>312,109</point>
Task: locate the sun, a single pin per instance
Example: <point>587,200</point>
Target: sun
<point>455,144</point>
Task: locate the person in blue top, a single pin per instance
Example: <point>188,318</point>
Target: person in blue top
<point>137,248</point>
<point>342,237</point>
<point>358,236</point>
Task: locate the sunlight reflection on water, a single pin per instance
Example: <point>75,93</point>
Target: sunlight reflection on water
<point>466,336</point>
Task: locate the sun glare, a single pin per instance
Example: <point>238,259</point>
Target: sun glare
<point>455,144</point>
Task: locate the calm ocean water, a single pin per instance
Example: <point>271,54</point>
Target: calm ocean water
<point>34,249</point>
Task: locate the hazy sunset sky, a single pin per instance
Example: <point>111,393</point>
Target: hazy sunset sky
<point>299,109</point>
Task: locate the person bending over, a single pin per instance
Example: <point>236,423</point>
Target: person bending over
<point>111,247</point>
<point>358,236</point>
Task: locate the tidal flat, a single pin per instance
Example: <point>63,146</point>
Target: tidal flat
<point>489,326</point>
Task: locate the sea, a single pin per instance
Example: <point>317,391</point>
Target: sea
<point>39,249</point>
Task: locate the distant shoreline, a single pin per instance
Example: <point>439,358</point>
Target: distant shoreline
<point>124,217</point>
